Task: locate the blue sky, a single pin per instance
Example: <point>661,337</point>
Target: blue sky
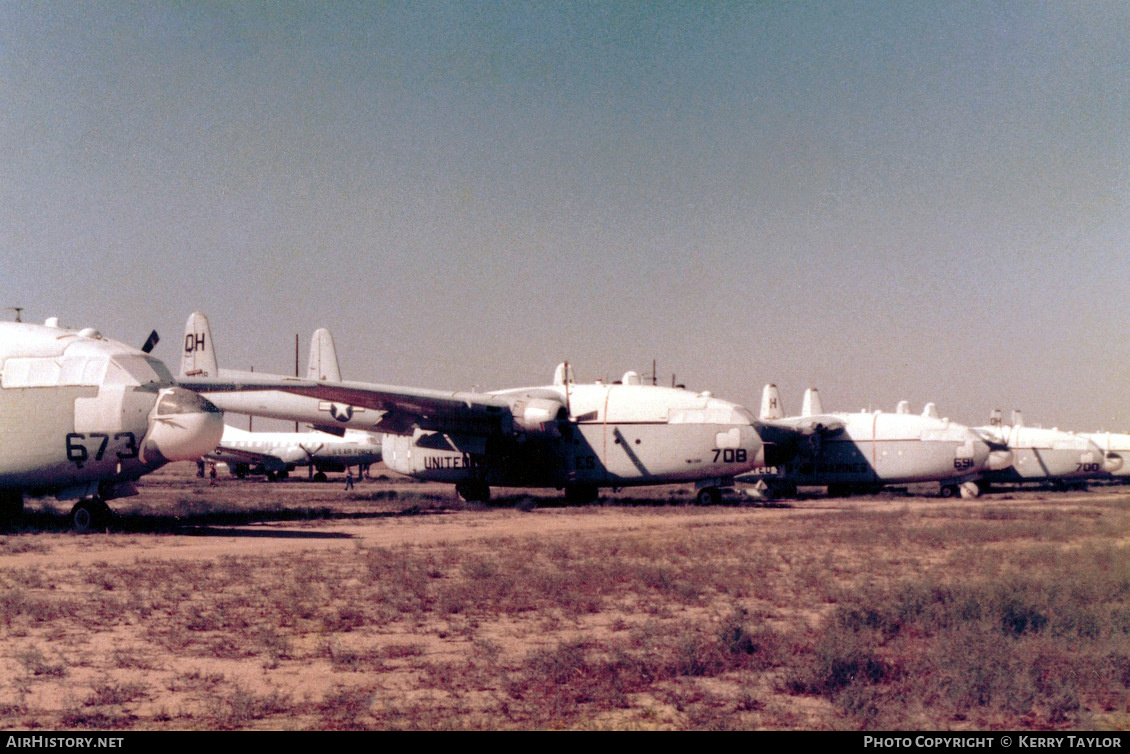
<point>884,200</point>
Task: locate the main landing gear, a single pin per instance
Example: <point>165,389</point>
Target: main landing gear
<point>709,496</point>
<point>11,507</point>
<point>90,514</point>
<point>473,490</point>
<point>581,494</point>
<point>966,490</point>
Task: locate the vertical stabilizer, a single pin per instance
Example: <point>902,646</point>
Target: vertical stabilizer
<point>1017,418</point>
<point>199,356</point>
<point>996,418</point>
<point>812,405</point>
<point>931,411</point>
<point>563,374</point>
<point>771,403</point>
<point>323,358</point>
<point>903,407</point>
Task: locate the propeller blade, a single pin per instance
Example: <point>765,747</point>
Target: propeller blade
<point>151,342</point>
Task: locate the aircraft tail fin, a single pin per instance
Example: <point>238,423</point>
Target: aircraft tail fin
<point>931,411</point>
<point>323,358</point>
<point>812,405</point>
<point>199,356</point>
<point>903,407</point>
<point>1017,418</point>
<point>563,374</point>
<point>771,403</point>
<point>996,418</point>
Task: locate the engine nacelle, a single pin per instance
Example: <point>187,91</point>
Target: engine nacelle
<point>537,417</point>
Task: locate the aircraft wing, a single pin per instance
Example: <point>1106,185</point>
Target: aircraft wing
<point>403,408</point>
<point>824,425</point>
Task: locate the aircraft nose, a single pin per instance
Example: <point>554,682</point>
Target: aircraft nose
<point>182,427</point>
<point>1112,462</point>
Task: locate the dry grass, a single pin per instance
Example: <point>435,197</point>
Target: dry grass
<point>885,613</point>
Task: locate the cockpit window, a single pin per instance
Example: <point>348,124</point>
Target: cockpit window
<point>138,370</point>
<point>66,371</point>
<point>90,371</point>
<point>83,370</point>
<point>744,415</point>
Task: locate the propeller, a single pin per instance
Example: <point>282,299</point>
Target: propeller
<point>151,342</point>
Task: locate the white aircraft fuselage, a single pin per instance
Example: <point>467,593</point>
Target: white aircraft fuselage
<point>617,435</point>
<point>1113,445</point>
<point>869,450</point>
<point>1041,455</point>
<point>274,452</point>
<point>84,416</point>
<point>878,449</point>
<point>576,437</point>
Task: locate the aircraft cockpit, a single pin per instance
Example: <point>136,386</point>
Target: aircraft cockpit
<point>92,370</point>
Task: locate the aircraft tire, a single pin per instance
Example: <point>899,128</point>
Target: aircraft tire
<point>89,515</point>
<point>11,507</point>
<point>709,496</point>
<point>473,491</point>
<point>320,476</point>
<point>950,490</point>
<point>581,494</point>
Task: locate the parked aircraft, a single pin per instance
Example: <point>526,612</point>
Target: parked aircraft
<point>1113,444</point>
<point>867,451</point>
<point>1045,455</point>
<point>84,416</point>
<point>567,435</point>
<point>199,363</point>
<point>278,453</point>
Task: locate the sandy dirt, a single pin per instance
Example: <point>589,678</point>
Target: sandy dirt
<point>120,629</point>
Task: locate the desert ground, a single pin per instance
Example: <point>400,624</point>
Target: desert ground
<point>298,605</point>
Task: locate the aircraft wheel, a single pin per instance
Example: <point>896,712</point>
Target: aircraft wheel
<point>320,476</point>
<point>11,507</point>
<point>949,490</point>
<point>581,494</point>
<point>88,515</point>
<point>473,491</point>
<point>709,496</point>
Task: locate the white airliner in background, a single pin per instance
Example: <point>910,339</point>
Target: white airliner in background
<point>278,453</point>
<point>864,452</point>
<point>566,435</point>
<point>83,416</point>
